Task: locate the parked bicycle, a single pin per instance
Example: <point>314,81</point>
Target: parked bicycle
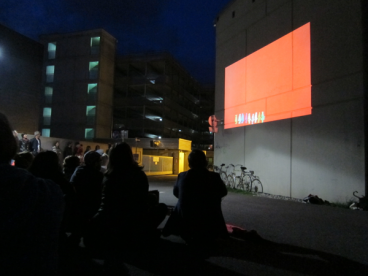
<point>222,172</point>
<point>239,179</point>
<point>234,176</point>
<point>250,182</point>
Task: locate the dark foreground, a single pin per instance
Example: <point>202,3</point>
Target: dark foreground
<point>299,239</point>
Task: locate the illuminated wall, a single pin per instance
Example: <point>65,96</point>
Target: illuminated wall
<point>273,83</point>
<point>301,64</point>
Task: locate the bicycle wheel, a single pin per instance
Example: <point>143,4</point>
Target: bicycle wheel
<point>230,181</point>
<point>256,186</point>
<point>245,182</point>
<point>237,183</point>
<point>223,178</point>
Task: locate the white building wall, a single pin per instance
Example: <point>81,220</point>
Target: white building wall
<point>322,153</point>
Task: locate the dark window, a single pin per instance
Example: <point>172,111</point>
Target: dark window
<point>233,14</point>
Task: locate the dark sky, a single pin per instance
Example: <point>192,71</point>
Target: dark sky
<point>182,27</point>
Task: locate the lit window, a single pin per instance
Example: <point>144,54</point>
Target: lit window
<point>48,94</point>
<point>93,69</point>
<point>95,45</point>
<point>51,48</point>
<point>46,132</point>
<point>91,114</point>
<point>50,73</point>
<point>92,91</point>
<point>89,133</point>
<point>46,116</point>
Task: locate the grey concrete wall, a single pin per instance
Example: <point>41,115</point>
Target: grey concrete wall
<point>322,153</point>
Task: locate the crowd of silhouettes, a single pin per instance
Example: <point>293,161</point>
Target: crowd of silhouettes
<point>52,199</point>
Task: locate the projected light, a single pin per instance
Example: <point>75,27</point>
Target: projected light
<point>271,84</point>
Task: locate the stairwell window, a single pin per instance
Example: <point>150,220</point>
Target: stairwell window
<point>51,49</point>
<point>89,133</point>
<point>47,116</point>
<point>93,70</point>
<point>48,94</point>
<point>91,114</point>
<point>92,92</point>
<point>45,132</point>
<point>50,70</point>
<point>95,45</point>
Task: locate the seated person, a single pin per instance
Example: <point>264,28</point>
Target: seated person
<point>127,205</point>
<point>197,216</point>
<point>87,181</point>
<point>31,210</point>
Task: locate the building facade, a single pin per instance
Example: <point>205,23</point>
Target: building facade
<point>73,86</point>
<point>78,84</point>
<point>20,79</point>
<point>155,97</point>
<point>320,153</point>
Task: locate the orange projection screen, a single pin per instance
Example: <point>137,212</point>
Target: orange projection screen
<point>273,83</point>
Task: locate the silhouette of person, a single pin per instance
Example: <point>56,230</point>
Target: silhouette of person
<point>197,217</point>
<point>87,181</point>
<point>31,211</point>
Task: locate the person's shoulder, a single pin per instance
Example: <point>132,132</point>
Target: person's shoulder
<point>182,174</point>
<point>213,173</point>
<point>26,180</point>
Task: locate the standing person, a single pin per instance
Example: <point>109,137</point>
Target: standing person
<point>97,147</point>
<point>88,148</point>
<point>30,216</point>
<point>68,150</point>
<point>76,148</point>
<point>23,143</point>
<point>35,144</point>
<point>78,151</point>
<point>87,181</point>
<point>57,150</point>
<point>197,216</point>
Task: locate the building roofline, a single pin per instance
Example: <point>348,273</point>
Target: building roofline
<point>2,25</point>
<point>159,55</point>
<point>223,9</point>
<point>77,33</point>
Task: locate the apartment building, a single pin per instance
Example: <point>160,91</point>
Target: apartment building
<point>78,84</point>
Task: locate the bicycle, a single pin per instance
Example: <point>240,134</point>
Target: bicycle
<point>250,182</point>
<point>222,173</point>
<point>234,178</point>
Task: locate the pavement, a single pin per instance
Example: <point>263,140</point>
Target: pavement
<point>298,239</point>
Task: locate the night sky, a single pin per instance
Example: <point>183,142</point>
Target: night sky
<point>182,27</point>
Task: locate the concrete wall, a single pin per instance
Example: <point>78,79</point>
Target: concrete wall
<point>20,79</point>
<point>322,153</point>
